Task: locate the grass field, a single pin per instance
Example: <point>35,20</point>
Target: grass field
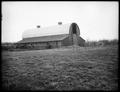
<point>84,68</point>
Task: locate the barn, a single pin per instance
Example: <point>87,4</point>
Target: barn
<point>52,37</point>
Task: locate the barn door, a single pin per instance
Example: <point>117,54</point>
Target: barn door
<point>75,39</point>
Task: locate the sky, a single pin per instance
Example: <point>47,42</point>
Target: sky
<point>96,20</point>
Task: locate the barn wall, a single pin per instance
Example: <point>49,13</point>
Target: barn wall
<point>53,44</point>
<point>81,42</point>
<point>33,45</point>
<point>39,45</point>
<point>59,44</point>
<point>67,41</point>
<point>75,39</point>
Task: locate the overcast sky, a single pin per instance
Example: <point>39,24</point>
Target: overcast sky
<point>96,20</point>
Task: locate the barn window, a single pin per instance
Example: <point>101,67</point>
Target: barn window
<point>74,28</point>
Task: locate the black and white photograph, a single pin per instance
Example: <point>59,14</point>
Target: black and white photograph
<point>59,45</point>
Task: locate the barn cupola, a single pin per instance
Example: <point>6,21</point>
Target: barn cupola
<point>38,26</point>
<point>59,23</point>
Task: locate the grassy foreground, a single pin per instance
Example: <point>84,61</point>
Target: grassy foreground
<point>83,68</point>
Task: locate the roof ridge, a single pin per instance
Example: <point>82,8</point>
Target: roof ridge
<point>48,26</point>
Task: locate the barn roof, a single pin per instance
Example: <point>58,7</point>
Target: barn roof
<point>52,30</point>
<point>44,38</point>
<point>81,38</point>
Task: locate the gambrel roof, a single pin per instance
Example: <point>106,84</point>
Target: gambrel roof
<point>52,30</point>
<point>52,33</point>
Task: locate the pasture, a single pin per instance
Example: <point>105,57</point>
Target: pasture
<point>81,68</point>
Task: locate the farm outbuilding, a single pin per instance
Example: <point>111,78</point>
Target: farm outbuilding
<point>52,37</point>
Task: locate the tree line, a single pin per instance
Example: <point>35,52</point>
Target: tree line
<point>18,46</point>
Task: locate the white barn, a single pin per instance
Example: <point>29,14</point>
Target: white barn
<point>52,37</point>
